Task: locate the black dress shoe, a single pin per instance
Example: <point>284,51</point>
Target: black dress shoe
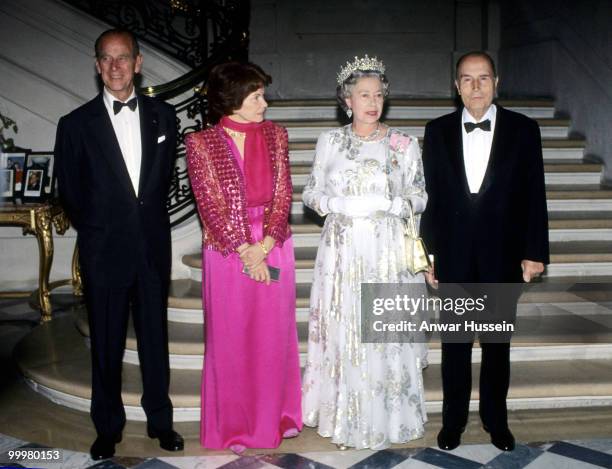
<point>168,440</point>
<point>103,448</point>
<point>502,439</point>
<point>449,439</point>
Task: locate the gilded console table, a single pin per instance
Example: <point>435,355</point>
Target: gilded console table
<point>39,219</point>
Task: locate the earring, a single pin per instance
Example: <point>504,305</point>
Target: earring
<point>349,113</point>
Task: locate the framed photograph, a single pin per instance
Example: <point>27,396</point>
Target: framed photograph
<point>33,183</point>
<point>42,161</point>
<point>7,181</point>
<point>15,161</point>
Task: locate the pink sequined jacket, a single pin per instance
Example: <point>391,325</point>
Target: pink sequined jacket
<point>218,187</point>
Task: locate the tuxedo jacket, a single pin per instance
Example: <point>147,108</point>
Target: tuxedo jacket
<point>484,238</point>
<point>120,234</point>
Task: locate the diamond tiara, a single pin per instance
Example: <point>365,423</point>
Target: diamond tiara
<point>366,63</point>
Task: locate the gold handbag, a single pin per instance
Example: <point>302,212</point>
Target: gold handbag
<point>417,258</point>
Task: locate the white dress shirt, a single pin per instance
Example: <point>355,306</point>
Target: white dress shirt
<point>477,148</point>
<point>126,124</point>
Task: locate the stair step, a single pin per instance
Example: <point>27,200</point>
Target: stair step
<point>554,205</point>
<point>404,122</point>
<point>562,266</point>
<point>579,194</point>
<point>556,143</point>
<point>553,155</point>
<point>185,342</point>
<point>564,252</point>
<point>305,129</point>
<point>586,205</point>
<point>56,363</point>
<point>310,234</point>
<point>573,168</point>
<point>563,226</point>
<point>554,173</point>
<point>398,101</point>
<point>573,292</point>
<point>566,258</point>
<point>312,223</point>
<point>581,247</point>
<point>581,167</point>
<point>563,167</point>
<point>585,218</point>
<point>398,108</point>
<point>185,299</point>
<point>567,192</point>
<point>518,353</point>
<point>580,234</point>
<point>185,295</point>
<point>560,332</point>
<point>589,252</point>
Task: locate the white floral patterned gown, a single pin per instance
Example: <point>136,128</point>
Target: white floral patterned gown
<point>362,395</point>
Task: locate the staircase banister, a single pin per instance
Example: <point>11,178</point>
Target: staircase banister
<point>191,79</point>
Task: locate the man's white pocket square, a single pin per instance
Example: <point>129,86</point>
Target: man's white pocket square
<point>161,138</point>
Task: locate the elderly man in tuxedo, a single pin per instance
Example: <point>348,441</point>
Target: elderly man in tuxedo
<point>115,156</point>
<point>485,222</point>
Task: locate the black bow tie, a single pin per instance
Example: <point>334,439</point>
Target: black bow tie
<point>484,125</point>
<point>118,105</point>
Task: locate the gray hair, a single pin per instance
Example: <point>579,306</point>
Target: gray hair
<point>344,90</point>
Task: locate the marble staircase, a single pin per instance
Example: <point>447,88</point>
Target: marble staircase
<point>565,363</point>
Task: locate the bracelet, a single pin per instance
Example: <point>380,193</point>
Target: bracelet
<point>263,248</point>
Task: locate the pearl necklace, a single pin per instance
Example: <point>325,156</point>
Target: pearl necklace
<point>367,138</point>
<point>234,133</point>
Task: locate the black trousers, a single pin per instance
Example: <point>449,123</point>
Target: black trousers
<point>108,312</point>
<point>457,384</point>
<point>494,366</point>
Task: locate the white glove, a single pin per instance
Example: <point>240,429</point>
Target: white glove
<point>358,206</point>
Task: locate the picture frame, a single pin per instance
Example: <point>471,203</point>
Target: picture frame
<point>17,162</point>
<point>33,183</point>
<point>7,184</point>
<point>44,161</point>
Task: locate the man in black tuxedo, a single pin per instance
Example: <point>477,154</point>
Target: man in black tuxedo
<point>486,222</point>
<point>115,156</point>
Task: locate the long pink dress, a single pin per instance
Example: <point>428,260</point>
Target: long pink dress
<point>251,380</point>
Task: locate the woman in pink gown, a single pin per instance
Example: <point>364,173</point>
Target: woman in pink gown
<point>240,176</point>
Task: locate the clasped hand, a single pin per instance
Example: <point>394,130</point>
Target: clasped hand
<point>358,205</point>
<point>252,257</point>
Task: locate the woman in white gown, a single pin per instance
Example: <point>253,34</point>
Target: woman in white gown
<point>365,177</point>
